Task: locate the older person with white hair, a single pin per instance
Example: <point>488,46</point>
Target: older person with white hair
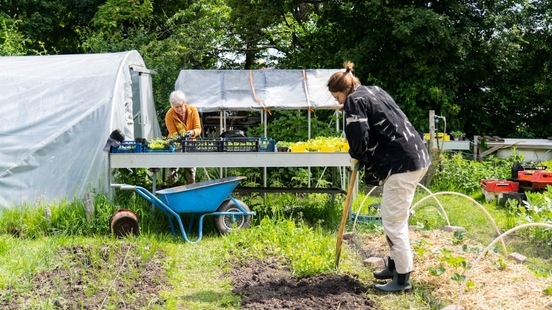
<point>183,119</point>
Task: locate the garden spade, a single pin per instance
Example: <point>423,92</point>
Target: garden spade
<point>344,218</point>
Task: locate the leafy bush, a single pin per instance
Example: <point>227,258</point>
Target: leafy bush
<point>455,173</point>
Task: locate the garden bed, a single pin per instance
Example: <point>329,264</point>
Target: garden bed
<point>495,282</point>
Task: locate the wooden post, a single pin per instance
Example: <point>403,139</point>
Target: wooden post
<point>89,206</point>
<point>476,148</point>
<point>431,143</point>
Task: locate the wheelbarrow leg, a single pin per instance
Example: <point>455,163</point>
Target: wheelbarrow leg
<point>181,226</point>
<point>153,199</point>
<point>156,203</point>
<point>237,204</point>
<point>191,224</point>
<point>154,186</point>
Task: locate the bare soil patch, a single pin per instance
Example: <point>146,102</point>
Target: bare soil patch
<point>85,279</point>
<point>266,285</point>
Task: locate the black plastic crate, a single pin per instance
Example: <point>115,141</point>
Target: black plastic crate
<point>240,145</point>
<point>201,145</point>
<point>220,145</point>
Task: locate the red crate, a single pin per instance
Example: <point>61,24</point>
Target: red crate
<point>526,175</point>
<point>496,189</point>
<point>539,176</point>
<point>499,185</point>
<point>538,179</point>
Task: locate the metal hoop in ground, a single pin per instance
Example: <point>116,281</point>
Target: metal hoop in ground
<point>476,203</point>
<point>500,237</point>
<point>412,208</point>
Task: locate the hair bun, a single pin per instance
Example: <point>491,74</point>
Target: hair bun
<point>348,66</point>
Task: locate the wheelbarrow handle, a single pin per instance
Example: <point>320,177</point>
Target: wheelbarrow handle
<point>124,187</point>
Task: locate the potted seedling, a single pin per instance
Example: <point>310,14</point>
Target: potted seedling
<point>282,146</point>
<point>458,135</point>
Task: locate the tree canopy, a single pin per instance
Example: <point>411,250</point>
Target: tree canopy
<point>484,65</point>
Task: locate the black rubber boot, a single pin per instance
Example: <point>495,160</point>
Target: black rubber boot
<point>387,272</point>
<point>400,283</point>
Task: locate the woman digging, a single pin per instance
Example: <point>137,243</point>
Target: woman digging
<point>384,142</point>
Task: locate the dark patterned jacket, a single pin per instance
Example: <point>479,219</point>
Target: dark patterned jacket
<point>380,135</point>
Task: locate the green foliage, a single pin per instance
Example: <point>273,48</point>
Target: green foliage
<point>317,209</point>
<point>170,37</point>
<point>458,174</point>
<point>122,13</point>
<point>120,25</point>
<point>536,209</point>
<point>70,219</point>
<point>500,264</point>
<point>455,173</point>
<point>139,177</point>
<point>437,271</point>
<point>302,246</point>
<point>293,125</point>
<point>51,27</point>
<point>12,41</point>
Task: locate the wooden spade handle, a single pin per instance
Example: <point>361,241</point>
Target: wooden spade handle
<point>344,218</point>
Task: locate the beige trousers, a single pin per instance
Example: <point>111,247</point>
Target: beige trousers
<point>398,193</point>
<point>189,174</point>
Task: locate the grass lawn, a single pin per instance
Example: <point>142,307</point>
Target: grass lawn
<point>71,262</point>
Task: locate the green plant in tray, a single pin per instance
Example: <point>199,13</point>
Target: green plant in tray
<point>457,133</point>
<point>157,144</point>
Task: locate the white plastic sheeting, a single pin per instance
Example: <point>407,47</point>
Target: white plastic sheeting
<point>235,90</point>
<point>56,113</point>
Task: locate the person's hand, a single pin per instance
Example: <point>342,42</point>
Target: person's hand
<point>355,164</point>
<point>190,133</point>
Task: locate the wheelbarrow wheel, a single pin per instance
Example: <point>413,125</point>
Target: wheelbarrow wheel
<point>226,223</point>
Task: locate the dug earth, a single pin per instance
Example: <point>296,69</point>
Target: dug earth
<point>265,285</point>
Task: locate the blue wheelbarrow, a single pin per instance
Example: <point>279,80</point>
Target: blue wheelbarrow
<point>203,198</point>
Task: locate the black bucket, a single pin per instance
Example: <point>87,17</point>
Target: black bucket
<point>516,167</point>
<point>123,223</point>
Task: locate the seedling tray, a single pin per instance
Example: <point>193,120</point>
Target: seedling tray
<point>240,145</point>
<point>128,147</point>
<point>222,145</point>
<point>169,149</point>
<point>200,145</point>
